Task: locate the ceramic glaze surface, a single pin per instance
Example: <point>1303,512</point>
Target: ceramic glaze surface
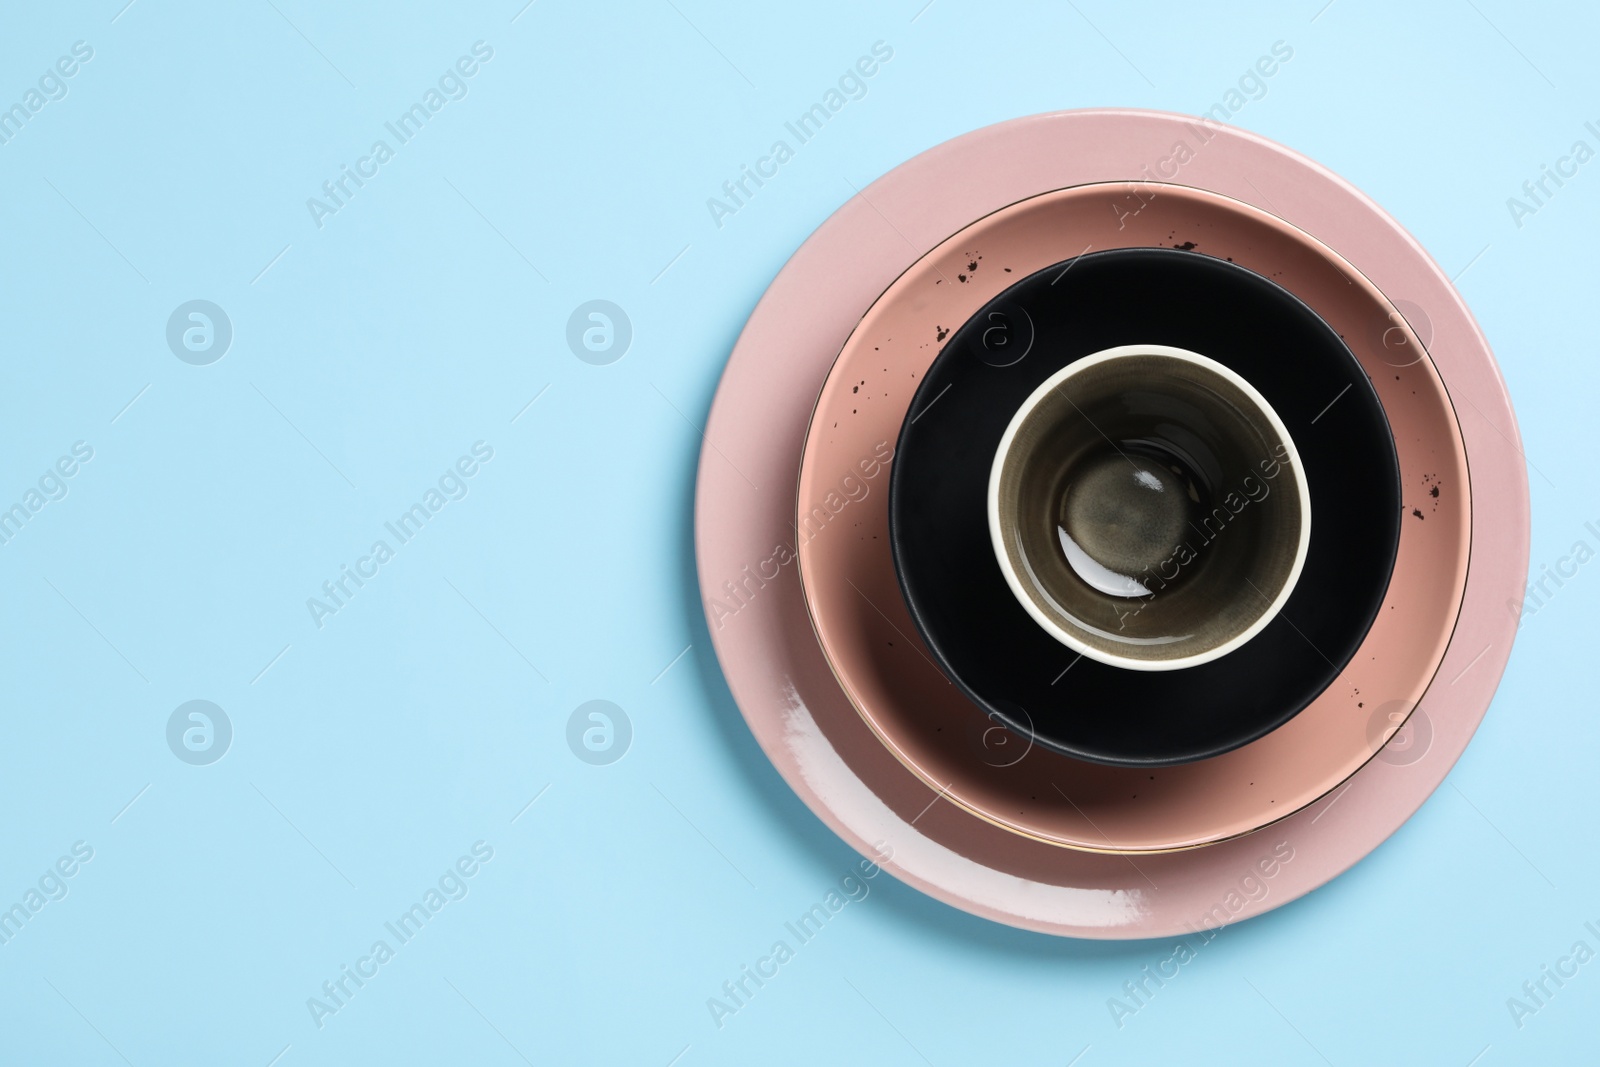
<point>781,679</point>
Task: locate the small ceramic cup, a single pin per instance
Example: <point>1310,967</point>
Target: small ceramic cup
<point>1148,508</point>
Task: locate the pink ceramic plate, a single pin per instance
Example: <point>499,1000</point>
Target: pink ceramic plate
<point>866,630</point>
<point>745,538</point>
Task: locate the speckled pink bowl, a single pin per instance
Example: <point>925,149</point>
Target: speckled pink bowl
<point>866,631</point>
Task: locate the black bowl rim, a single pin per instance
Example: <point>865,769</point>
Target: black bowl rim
<point>998,712</point>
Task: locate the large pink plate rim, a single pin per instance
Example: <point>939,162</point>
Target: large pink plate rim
<point>744,533</point>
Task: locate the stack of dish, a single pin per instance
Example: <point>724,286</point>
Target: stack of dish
<point>1133,521</point>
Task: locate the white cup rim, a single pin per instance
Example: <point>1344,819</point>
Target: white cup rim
<point>1014,580</point>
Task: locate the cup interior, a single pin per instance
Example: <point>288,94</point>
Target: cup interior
<point>1148,509</point>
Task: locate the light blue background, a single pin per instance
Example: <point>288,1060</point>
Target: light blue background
<point>421,318</point>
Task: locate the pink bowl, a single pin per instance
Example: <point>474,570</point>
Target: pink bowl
<point>866,631</point>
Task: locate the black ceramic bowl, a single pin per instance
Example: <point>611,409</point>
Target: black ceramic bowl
<point>944,557</point>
